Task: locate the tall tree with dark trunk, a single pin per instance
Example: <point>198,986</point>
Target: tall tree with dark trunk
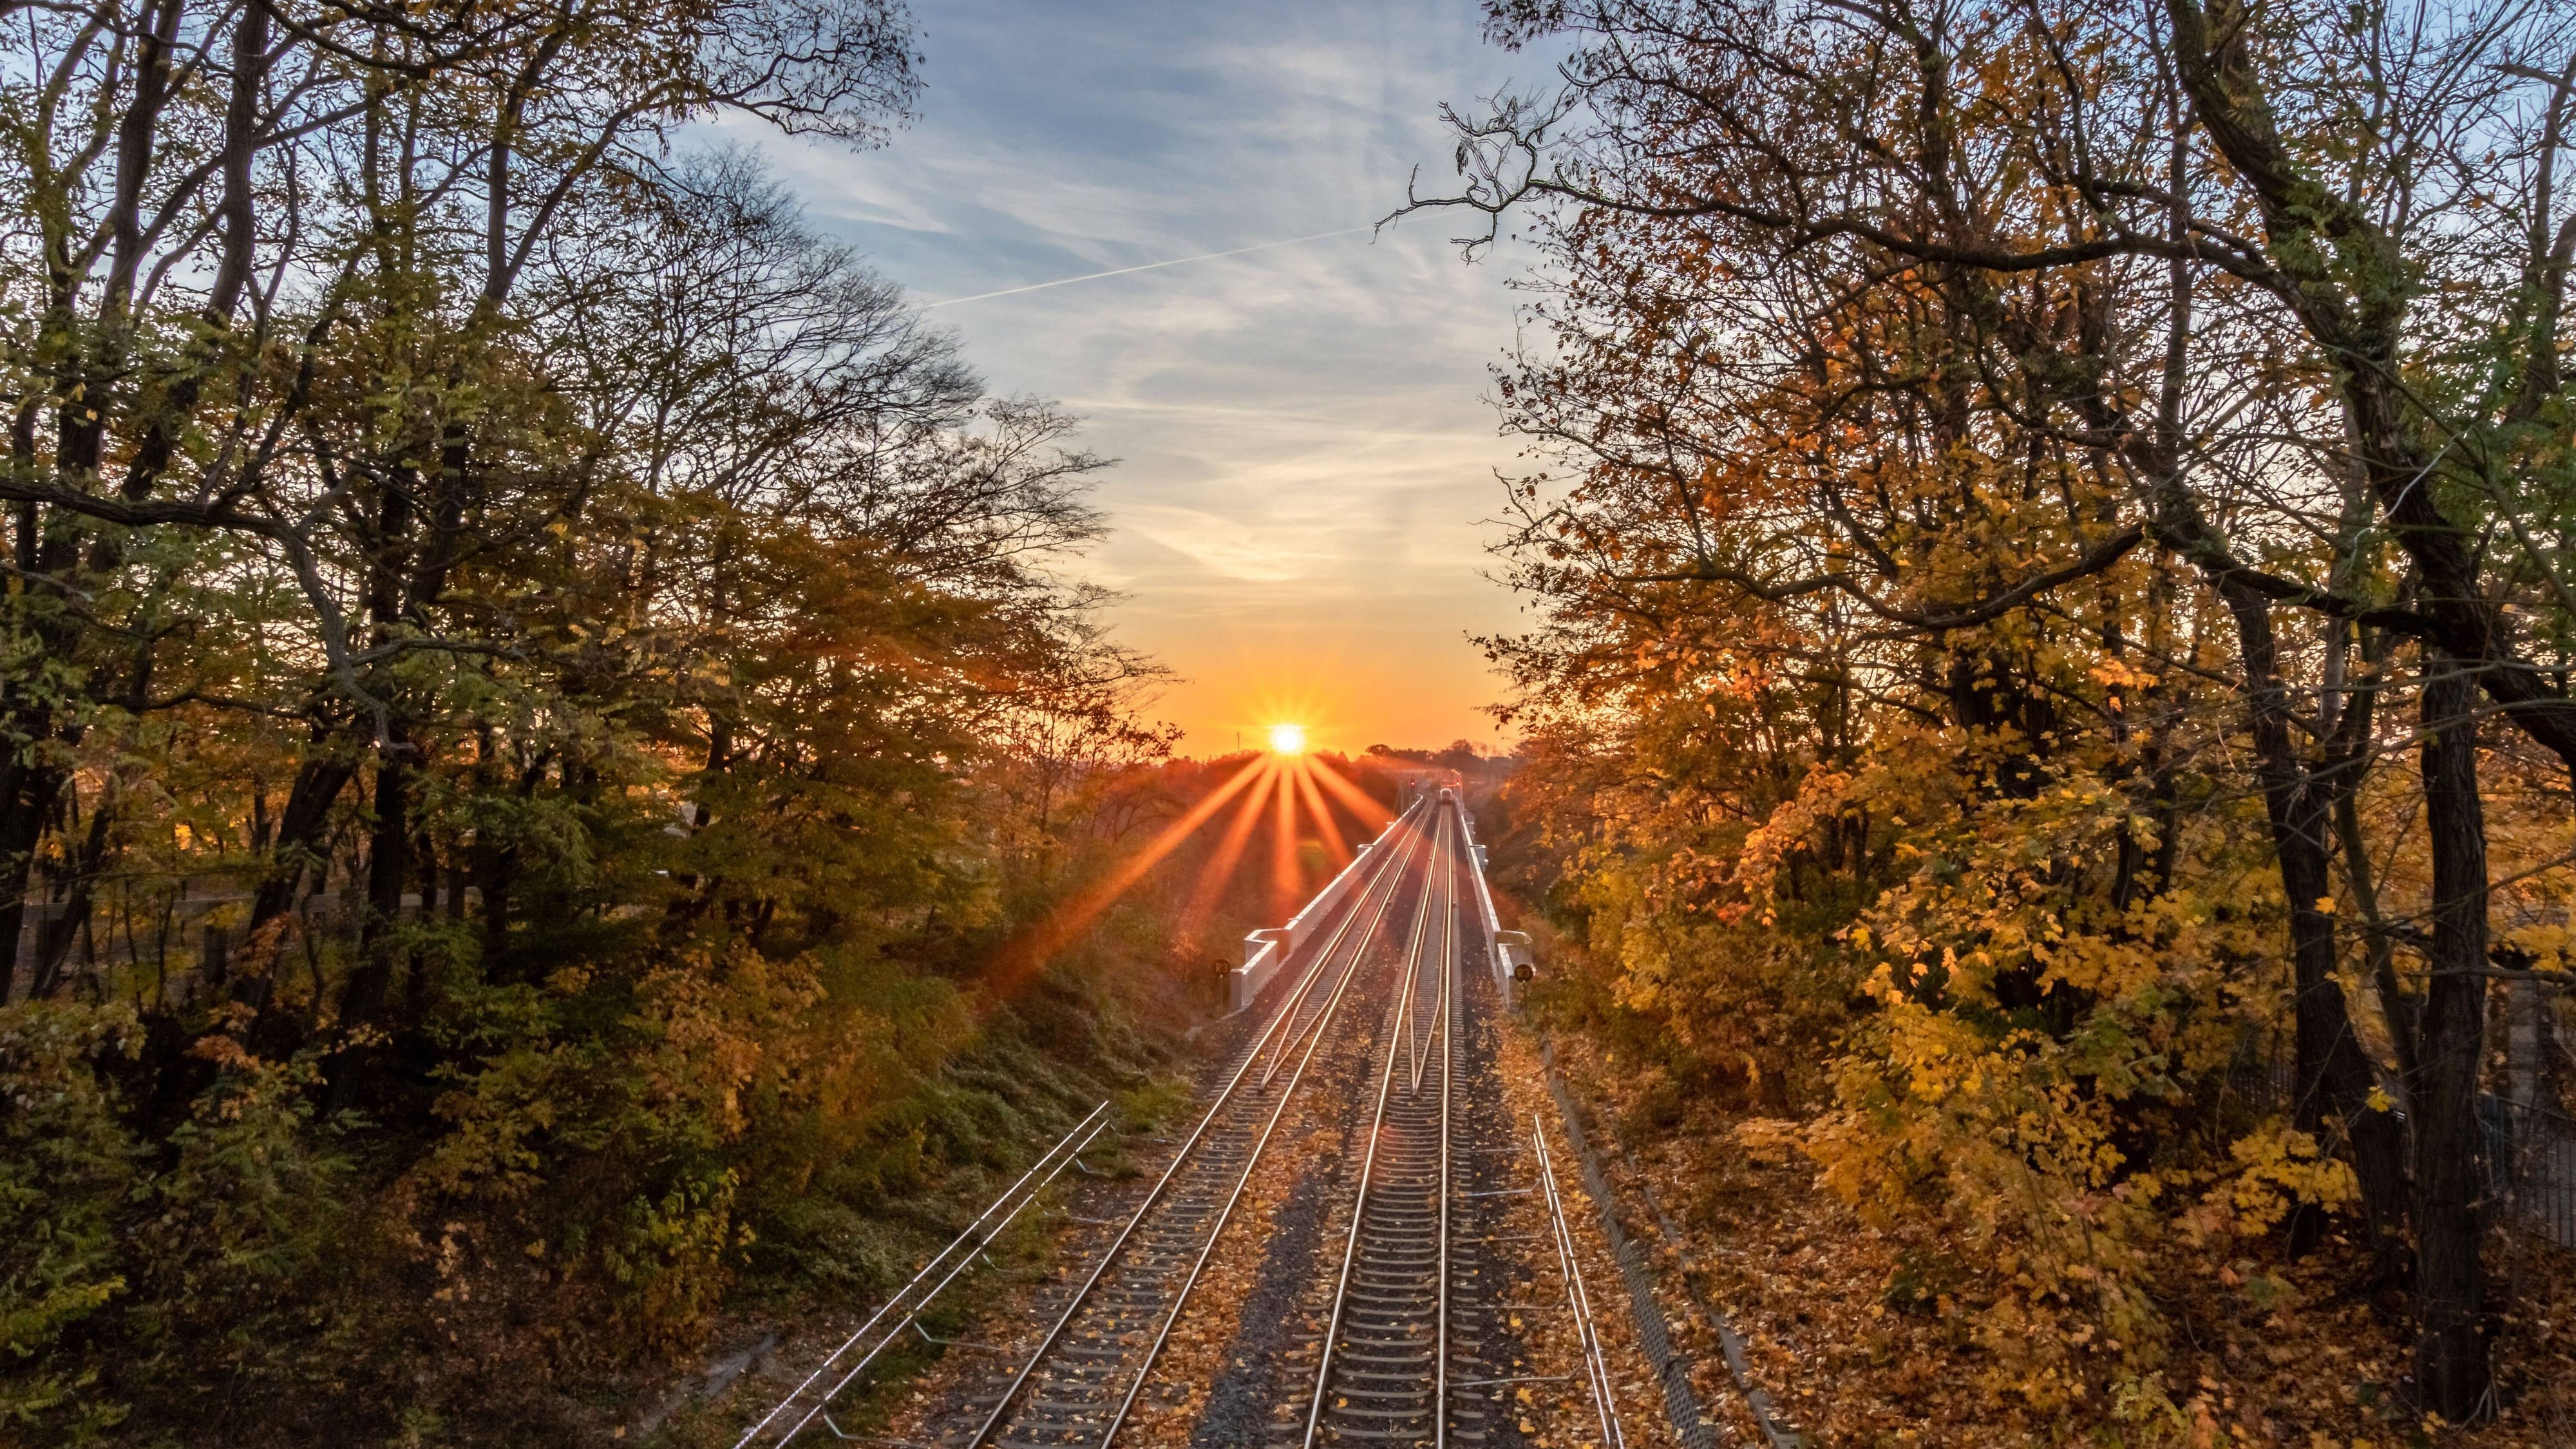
<point>2450,1145</point>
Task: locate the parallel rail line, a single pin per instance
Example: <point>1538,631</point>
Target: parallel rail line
<point>1079,1383</point>
<point>915,1297</point>
<point>1383,1372</point>
<point>1578,1299</point>
<point>1455,1221</point>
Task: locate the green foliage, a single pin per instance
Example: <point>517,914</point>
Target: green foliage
<point>534,691</point>
<point>63,1182</point>
<point>671,1260</point>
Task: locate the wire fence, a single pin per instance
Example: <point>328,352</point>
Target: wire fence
<point>2531,1167</point>
<point>2529,1150</point>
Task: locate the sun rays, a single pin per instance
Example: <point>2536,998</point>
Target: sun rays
<point>1302,797</point>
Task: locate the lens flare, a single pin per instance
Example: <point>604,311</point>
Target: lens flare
<point>1288,739</point>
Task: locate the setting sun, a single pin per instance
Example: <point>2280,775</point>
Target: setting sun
<point>1288,739</point>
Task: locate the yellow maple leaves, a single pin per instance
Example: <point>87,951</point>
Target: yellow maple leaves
<point>2277,1168</point>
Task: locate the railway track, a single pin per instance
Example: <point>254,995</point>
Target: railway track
<point>1383,1374</point>
<point>1455,1231</point>
<point>1080,1378</point>
<point>810,1402</point>
<point>1447,1236</point>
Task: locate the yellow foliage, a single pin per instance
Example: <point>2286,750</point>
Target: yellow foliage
<point>1769,1139</point>
<point>2276,1169</point>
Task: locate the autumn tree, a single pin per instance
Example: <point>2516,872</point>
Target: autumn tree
<point>2052,403</point>
<point>523,664</point>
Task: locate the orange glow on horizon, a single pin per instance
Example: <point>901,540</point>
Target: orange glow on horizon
<point>1295,719</point>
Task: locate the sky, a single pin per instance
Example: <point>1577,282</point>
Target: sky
<point>1308,452</point>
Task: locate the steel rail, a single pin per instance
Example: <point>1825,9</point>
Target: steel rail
<point>1393,872</point>
<point>1315,968</point>
<point>1417,1035</point>
<point>912,1318</point>
<point>1390,872</point>
<point>1448,949</point>
<point>1450,965</point>
<point>1199,1266</point>
<point>1095,1120</point>
<point>1389,876</point>
<point>1397,1043</point>
<point>1578,1299</point>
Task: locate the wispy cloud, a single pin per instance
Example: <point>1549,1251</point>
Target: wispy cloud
<point>1144,267</point>
<point>1307,452</point>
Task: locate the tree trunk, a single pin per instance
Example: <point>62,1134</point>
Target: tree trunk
<point>2333,1075</point>
<point>388,867</point>
<point>54,943</point>
<point>28,802</point>
<point>301,826</point>
<point>2451,1348</point>
<point>2396,1006</point>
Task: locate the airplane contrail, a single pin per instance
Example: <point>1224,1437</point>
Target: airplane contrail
<point>1147,267</point>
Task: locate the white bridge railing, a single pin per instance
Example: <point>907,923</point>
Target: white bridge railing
<point>1268,949</point>
<point>1505,951</point>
